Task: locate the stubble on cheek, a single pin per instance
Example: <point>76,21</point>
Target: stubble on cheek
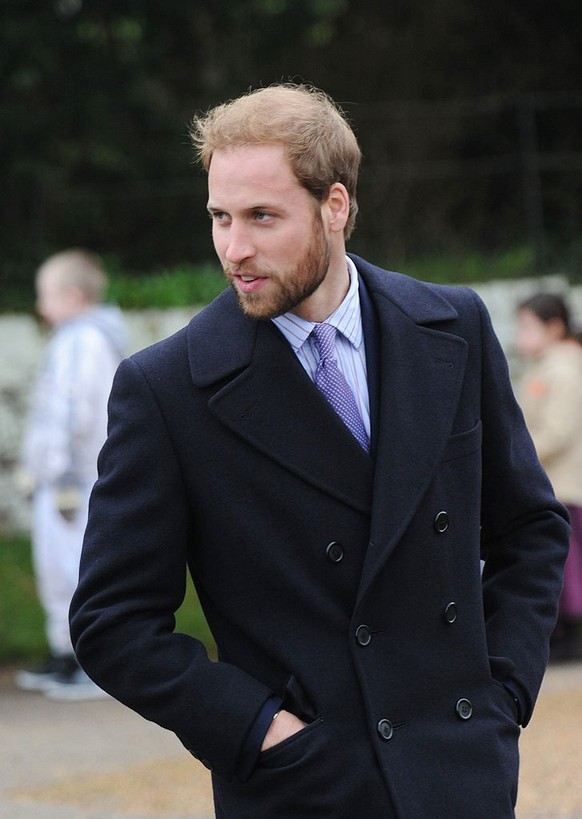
<point>285,289</point>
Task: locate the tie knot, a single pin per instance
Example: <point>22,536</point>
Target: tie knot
<point>325,337</point>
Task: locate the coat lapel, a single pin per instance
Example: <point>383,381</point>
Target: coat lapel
<point>259,390</point>
<point>422,370</point>
<point>263,394</point>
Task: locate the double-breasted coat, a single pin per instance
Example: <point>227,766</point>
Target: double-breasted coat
<point>347,583</point>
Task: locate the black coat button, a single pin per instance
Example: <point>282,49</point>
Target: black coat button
<point>334,551</point>
<point>441,523</point>
<point>464,709</point>
<point>451,613</point>
<point>363,635</point>
<point>385,729</point>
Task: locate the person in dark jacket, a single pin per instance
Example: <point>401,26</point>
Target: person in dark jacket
<point>333,493</point>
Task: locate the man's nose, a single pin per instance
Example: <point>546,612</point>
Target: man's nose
<point>239,244</point>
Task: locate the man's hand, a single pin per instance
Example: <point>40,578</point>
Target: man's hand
<point>282,726</point>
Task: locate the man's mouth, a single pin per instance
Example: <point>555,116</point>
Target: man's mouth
<point>248,283</point>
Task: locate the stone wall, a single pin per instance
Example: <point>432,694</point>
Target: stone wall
<point>22,342</point>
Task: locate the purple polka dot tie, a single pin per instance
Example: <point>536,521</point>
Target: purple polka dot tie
<point>332,383</point>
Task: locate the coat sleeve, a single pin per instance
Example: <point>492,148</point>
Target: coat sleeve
<point>524,534</point>
<point>132,581</point>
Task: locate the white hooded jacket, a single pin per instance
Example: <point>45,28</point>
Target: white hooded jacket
<point>67,423</point>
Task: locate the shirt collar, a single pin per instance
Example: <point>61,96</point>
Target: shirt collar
<point>346,318</point>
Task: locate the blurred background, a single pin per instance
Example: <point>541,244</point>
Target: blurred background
<point>469,115</point>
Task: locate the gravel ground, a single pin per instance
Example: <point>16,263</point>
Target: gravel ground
<point>98,760</point>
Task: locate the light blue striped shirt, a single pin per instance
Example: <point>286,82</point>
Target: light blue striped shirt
<point>350,349</point>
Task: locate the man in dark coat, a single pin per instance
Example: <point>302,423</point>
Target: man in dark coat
<point>376,548</point>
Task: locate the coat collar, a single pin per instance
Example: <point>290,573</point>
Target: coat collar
<point>222,338</point>
<point>422,371</point>
<point>258,389</point>
<point>421,302</point>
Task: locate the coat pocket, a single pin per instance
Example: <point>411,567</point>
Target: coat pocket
<point>297,701</point>
<point>293,749</point>
<point>464,443</point>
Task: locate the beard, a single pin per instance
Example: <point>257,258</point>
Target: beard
<point>288,288</point>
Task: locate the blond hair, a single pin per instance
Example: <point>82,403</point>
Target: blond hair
<point>77,268</point>
<point>318,141</point>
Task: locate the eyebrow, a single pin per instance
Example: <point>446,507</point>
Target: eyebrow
<point>214,208</point>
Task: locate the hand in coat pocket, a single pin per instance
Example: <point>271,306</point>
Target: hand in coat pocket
<point>283,725</point>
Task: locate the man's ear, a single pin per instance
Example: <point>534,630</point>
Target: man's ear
<point>336,208</point>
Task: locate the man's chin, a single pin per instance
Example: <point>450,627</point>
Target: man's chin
<point>253,306</point>
<point>263,305</point>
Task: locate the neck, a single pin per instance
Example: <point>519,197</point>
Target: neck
<point>329,295</point>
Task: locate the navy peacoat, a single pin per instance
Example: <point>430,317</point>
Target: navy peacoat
<point>350,585</point>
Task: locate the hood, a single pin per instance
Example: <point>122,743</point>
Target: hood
<point>108,318</point>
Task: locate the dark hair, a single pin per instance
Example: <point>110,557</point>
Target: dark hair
<point>548,307</point>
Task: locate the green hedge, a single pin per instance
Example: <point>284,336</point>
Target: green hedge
<point>22,638</point>
<point>186,284</point>
<point>21,617</point>
<point>178,286</point>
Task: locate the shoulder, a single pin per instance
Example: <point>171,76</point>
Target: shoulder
<point>163,353</point>
<point>424,302</point>
<point>218,338</point>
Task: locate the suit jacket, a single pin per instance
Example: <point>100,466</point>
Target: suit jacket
<point>347,584</point>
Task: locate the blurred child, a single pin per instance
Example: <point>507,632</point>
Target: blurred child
<point>550,394</point>
<point>65,431</point>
